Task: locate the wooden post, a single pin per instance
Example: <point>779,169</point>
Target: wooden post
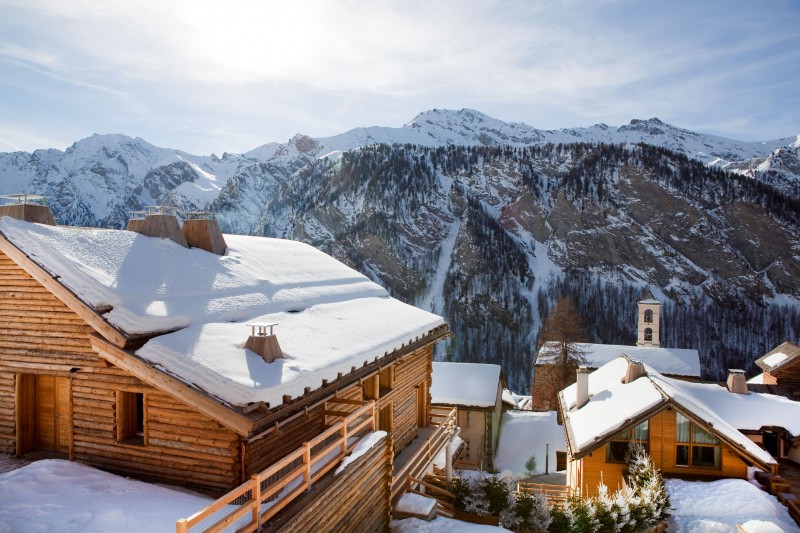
<point>344,437</point>
<point>256,501</point>
<point>180,526</point>
<point>307,461</point>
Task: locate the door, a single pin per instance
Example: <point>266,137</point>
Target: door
<point>44,417</point>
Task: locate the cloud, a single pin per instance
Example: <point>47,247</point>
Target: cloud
<point>187,71</point>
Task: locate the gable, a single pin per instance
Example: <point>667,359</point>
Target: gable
<point>782,358</point>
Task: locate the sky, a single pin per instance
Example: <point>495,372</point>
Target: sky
<point>210,77</point>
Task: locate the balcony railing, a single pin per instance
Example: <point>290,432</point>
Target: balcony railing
<point>444,421</point>
<point>253,503</point>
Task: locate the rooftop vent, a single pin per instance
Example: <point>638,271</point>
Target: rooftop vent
<point>27,207</point>
<point>263,343</point>
<point>736,381</point>
<point>201,231</point>
<point>634,371</point>
<point>158,221</point>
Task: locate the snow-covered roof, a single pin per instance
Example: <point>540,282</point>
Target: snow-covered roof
<point>783,356</point>
<point>529,433</point>
<point>749,412</point>
<point>758,379</point>
<point>330,317</point>
<point>467,384</point>
<point>614,405</point>
<point>517,401</point>
<point>672,361</point>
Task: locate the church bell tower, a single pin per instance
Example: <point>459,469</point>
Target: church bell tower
<point>649,321</point>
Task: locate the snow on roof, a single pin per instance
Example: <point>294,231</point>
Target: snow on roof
<point>468,384</point>
<point>743,411</point>
<point>758,379</point>
<point>330,317</point>
<point>527,433</point>
<point>775,359</point>
<point>693,398</point>
<point>517,401</point>
<point>673,361</point>
<point>782,356</point>
<point>613,405</point>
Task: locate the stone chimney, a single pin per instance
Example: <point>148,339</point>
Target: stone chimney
<point>201,231</point>
<point>634,371</point>
<point>736,381</point>
<point>159,221</point>
<point>27,207</point>
<point>263,343</point>
<point>582,387</point>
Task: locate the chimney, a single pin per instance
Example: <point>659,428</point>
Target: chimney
<point>736,381</point>
<point>27,207</point>
<point>201,231</point>
<point>160,221</point>
<point>263,343</point>
<point>582,387</point>
<point>634,371</point>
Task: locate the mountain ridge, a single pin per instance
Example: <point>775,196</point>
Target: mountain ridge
<point>487,222</point>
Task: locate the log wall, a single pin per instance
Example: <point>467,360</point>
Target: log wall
<point>39,335</point>
<point>402,400</point>
<point>361,494</point>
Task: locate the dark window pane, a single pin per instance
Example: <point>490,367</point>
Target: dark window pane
<point>705,456</point>
<point>615,451</point>
<point>682,455</point>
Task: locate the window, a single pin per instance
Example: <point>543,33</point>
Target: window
<point>648,316</point>
<point>648,334</point>
<point>130,417</point>
<point>694,445</point>
<point>616,448</point>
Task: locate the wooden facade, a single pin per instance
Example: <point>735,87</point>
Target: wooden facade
<point>360,490</point>
<point>586,472</point>
<point>71,386</point>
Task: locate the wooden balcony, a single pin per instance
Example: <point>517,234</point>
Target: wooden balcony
<point>416,458</point>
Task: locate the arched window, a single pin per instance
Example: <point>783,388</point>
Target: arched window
<point>648,316</point>
<point>648,335</point>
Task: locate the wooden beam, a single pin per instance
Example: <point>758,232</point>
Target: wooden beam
<point>69,298</point>
<point>171,386</point>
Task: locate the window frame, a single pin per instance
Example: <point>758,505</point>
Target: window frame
<point>648,334</point>
<point>131,412</point>
<point>648,316</point>
<point>627,437</point>
<point>691,445</point>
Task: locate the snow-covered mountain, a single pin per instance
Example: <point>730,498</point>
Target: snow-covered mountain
<point>487,222</point>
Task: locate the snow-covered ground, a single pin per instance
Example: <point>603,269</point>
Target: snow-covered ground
<point>57,495</point>
<point>719,506</point>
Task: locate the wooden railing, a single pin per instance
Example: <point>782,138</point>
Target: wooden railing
<point>250,505</point>
<point>444,418</point>
<point>555,494</point>
<point>444,498</point>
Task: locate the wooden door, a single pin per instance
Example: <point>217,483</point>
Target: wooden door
<point>44,414</point>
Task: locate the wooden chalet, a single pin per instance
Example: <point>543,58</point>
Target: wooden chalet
<point>690,430</point>
<point>148,358</point>
<point>475,390</point>
<point>781,367</point>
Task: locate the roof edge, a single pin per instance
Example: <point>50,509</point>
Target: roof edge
<point>168,384</point>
